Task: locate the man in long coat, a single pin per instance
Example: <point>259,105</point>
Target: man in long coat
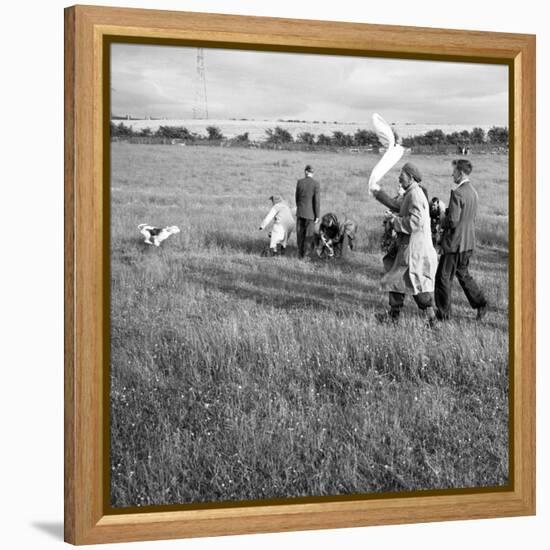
<point>458,244</point>
<point>308,208</point>
<point>410,270</point>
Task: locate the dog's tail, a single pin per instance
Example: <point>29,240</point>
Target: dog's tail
<point>142,225</point>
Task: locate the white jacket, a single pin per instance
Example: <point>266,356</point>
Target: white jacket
<point>281,215</point>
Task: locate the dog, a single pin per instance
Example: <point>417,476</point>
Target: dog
<point>155,235</point>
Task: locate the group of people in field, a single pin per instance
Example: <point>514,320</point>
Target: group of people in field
<point>415,227</point>
<point>326,236</point>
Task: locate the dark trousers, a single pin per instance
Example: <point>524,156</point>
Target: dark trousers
<point>305,230</point>
<point>451,264</point>
<point>423,300</point>
<point>342,249</point>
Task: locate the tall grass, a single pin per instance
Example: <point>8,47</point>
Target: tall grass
<point>236,377</point>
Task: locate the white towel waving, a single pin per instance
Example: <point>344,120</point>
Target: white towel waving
<point>390,158</point>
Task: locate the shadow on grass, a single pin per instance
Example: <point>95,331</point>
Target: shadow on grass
<point>254,244</point>
<point>131,250</point>
<point>357,265</point>
<point>342,284</point>
<point>240,242</point>
<point>489,257</point>
<point>289,288</point>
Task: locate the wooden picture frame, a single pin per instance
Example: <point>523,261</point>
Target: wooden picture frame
<point>86,247</point>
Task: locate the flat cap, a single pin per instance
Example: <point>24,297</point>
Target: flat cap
<point>410,169</point>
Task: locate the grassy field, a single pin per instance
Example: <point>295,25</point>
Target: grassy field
<point>238,377</point>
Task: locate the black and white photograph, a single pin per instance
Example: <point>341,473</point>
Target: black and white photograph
<point>309,291</point>
<point>194,358</point>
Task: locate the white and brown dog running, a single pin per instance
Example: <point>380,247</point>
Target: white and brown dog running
<point>155,235</point>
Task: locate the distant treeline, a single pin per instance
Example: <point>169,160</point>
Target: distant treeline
<point>496,136</point>
<point>168,132</point>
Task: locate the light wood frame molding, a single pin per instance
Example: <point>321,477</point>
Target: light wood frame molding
<point>86,247</point>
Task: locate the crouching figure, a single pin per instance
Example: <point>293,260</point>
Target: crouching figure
<point>335,238</point>
<point>283,225</point>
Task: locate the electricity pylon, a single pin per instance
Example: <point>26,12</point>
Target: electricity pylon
<point>200,107</point>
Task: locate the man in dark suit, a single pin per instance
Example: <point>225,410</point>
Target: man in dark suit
<point>457,245</point>
<point>308,206</point>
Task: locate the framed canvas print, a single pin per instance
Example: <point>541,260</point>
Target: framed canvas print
<point>300,274</point>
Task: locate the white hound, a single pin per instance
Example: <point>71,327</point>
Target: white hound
<point>155,235</point>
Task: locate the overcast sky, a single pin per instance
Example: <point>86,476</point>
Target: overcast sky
<point>160,81</point>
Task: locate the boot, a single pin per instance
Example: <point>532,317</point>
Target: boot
<point>481,312</point>
<point>391,316</point>
<point>431,318</point>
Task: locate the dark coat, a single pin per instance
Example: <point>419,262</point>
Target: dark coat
<point>459,223</point>
<point>308,199</point>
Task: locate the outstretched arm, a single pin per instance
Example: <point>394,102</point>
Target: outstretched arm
<point>268,218</point>
<point>393,204</point>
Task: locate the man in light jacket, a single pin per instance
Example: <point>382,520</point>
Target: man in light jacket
<point>411,269</point>
<point>283,224</point>
<point>458,244</point>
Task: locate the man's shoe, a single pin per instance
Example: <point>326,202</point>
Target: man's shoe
<point>439,316</point>
<point>431,317</point>
<point>481,312</point>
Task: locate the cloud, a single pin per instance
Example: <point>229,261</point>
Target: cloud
<point>162,81</point>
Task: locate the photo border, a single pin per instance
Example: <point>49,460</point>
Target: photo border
<point>89,31</point>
